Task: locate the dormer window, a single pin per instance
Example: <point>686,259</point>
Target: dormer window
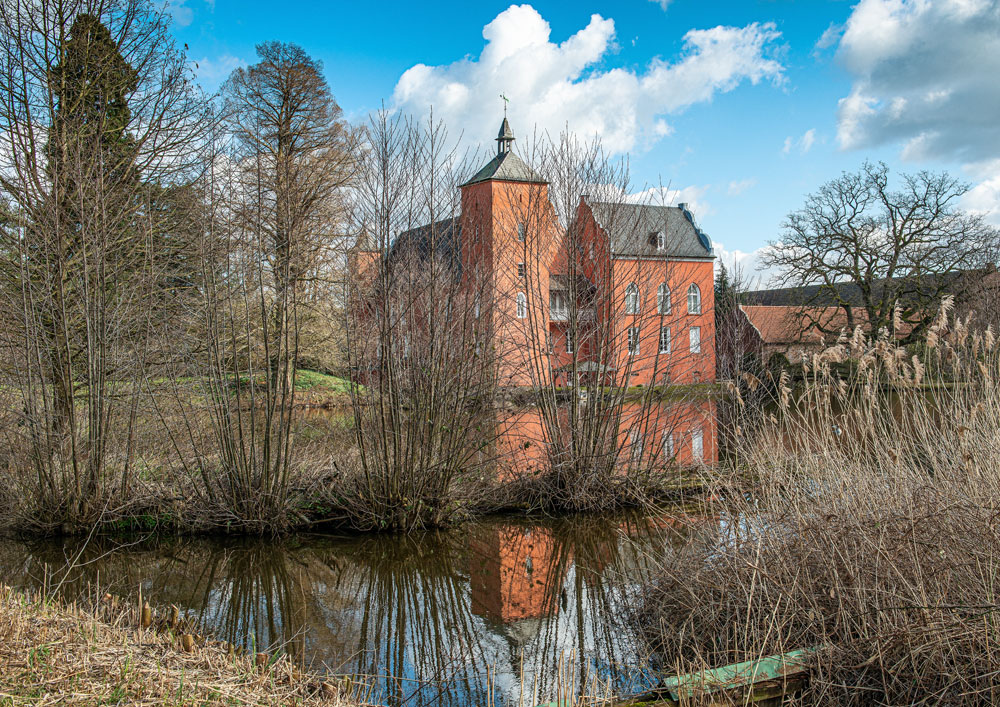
<point>658,240</point>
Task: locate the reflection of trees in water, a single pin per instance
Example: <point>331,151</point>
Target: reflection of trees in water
<point>428,613</point>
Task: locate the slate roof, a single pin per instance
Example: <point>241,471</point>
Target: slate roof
<point>506,167</point>
<point>446,235</point>
<point>850,294</point>
<point>629,227</point>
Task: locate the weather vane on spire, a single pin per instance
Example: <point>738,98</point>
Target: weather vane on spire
<point>505,102</point>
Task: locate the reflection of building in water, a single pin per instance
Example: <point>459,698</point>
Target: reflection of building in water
<point>682,434</point>
<point>515,573</point>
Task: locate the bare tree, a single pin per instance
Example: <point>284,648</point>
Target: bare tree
<point>869,249</point>
<point>97,114</point>
<point>425,417</point>
<point>283,157</point>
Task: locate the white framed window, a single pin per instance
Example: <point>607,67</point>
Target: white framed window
<point>697,444</point>
<point>558,306</point>
<point>522,305</point>
<point>520,270</point>
<point>635,444</point>
<point>569,341</point>
<point>632,299</point>
<point>633,340</point>
<point>694,299</point>
<point>664,339</point>
<point>668,445</point>
<point>694,335</point>
<point>521,231</point>
<point>663,299</point>
<point>661,240</point>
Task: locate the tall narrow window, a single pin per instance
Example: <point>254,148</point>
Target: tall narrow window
<point>661,240</point>
<point>633,340</point>
<point>558,306</point>
<point>695,337</point>
<point>520,270</point>
<point>522,305</point>
<point>668,445</point>
<point>663,299</point>
<point>478,306</point>
<point>632,299</point>
<point>694,299</point>
<point>664,339</point>
<point>635,444</point>
<point>697,444</point>
<point>521,230</point>
<point>569,341</point>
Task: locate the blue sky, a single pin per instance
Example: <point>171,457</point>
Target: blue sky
<point>743,107</point>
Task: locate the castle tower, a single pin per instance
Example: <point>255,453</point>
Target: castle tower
<point>509,232</point>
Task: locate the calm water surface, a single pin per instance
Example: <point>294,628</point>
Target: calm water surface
<point>427,615</point>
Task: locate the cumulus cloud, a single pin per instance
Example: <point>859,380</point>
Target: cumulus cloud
<point>745,265</point>
<point>925,78</point>
<point>552,85</point>
<point>802,144</point>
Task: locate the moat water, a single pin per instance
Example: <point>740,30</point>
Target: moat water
<point>507,608</point>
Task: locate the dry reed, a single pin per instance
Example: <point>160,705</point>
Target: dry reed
<point>54,653</point>
<point>860,518</point>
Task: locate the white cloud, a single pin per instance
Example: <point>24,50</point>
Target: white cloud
<point>830,36</point>
<point>745,265</point>
<point>803,144</point>
<point>179,11</point>
<point>552,86</point>
<point>738,187</point>
<point>693,197</point>
<point>664,4</point>
<point>923,69</point>
<point>211,73</point>
<point>925,78</point>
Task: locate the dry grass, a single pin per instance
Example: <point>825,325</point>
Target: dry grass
<point>863,518</point>
<point>52,653</point>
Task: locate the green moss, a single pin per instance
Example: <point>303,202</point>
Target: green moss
<point>321,382</point>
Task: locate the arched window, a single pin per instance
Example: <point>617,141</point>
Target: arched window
<point>663,299</point>
<point>522,305</point>
<point>632,299</point>
<point>694,299</point>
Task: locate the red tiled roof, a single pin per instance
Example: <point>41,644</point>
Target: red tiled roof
<point>796,325</point>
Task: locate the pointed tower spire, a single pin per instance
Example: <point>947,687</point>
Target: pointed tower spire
<point>505,137</point>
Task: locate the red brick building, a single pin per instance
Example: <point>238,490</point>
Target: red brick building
<point>621,295</point>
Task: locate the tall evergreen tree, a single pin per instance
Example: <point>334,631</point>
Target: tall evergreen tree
<point>91,165</point>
